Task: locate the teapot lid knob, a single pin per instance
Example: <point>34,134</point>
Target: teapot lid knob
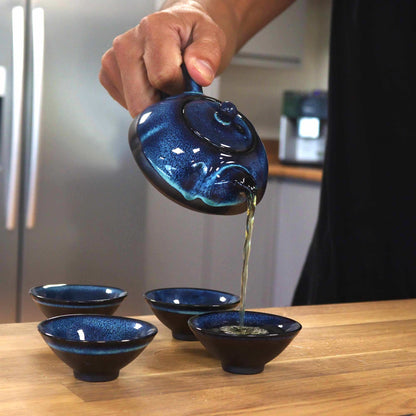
<point>226,113</point>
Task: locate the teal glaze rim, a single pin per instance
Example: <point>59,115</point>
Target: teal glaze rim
<point>94,350</point>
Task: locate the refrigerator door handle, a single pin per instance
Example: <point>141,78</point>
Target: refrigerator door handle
<point>38,36</point>
<point>12,197</point>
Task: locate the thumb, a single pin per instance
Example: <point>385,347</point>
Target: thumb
<point>201,70</point>
<point>203,56</point>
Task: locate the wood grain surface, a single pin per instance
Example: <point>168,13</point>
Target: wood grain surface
<point>349,359</point>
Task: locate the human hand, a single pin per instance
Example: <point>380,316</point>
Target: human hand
<point>146,60</point>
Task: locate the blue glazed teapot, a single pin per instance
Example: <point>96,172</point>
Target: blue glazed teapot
<point>200,152</point>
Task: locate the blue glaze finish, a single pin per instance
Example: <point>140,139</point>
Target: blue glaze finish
<point>244,354</point>
<point>201,153</point>
<point>82,350</point>
<point>64,293</point>
<point>191,299</point>
<point>176,311</point>
<point>173,306</point>
<point>80,306</point>
<point>63,299</point>
<point>96,347</point>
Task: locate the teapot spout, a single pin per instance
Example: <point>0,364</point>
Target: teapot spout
<point>231,188</point>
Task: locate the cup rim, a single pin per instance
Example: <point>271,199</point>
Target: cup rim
<point>233,301</point>
<point>120,342</point>
<point>290,333</point>
<point>120,295</point>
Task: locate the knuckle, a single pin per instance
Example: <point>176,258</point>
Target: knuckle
<point>163,80</point>
<point>106,59</point>
<point>102,75</point>
<point>102,79</point>
<point>144,24</point>
<point>118,43</point>
<point>148,23</point>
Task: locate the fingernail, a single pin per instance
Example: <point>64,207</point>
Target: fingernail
<point>205,69</point>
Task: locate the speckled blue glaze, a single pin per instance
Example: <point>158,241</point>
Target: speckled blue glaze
<point>174,306</point>
<point>201,153</point>
<point>96,347</point>
<point>244,354</point>
<point>63,299</point>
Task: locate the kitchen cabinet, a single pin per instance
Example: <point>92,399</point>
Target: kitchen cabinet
<point>225,240</point>
<point>186,248</point>
<point>174,250</point>
<point>280,43</point>
<point>284,223</point>
<point>296,203</point>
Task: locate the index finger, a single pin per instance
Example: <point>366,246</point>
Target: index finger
<point>137,90</point>
<point>164,41</point>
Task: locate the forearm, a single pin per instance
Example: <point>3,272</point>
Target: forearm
<point>239,19</point>
<point>203,34</point>
<point>253,15</point>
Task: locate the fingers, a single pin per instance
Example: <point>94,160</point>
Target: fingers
<point>132,82</point>
<point>169,36</point>
<point>162,54</point>
<point>147,59</point>
<point>110,77</point>
<point>123,74</point>
<point>203,56</point>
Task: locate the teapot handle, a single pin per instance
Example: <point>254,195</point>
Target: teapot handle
<point>190,84</point>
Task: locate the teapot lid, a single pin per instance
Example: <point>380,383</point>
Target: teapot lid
<point>219,123</point>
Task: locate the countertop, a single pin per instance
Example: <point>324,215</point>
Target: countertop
<point>349,359</point>
<point>277,169</point>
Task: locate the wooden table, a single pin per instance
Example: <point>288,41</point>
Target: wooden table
<point>349,359</point>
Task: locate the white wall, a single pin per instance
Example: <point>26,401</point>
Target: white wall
<point>258,92</point>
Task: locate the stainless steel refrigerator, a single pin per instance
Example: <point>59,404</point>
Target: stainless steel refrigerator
<point>72,200</point>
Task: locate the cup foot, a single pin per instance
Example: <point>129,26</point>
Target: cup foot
<point>96,377</point>
<point>242,370</point>
<point>183,337</point>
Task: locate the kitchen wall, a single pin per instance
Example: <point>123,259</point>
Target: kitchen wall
<point>257,91</point>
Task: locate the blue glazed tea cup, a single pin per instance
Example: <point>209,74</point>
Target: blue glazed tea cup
<point>96,347</point>
<point>64,299</point>
<point>240,353</point>
<point>174,306</point>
